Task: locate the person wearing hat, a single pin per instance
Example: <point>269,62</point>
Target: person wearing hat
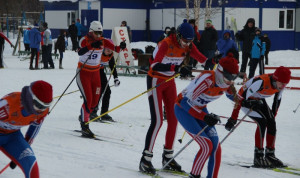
<point>246,36</point>
<point>192,113</point>
<point>168,60</point>
<point>165,35</point>
<point>88,78</point>
<point>35,40</point>
<point>209,38</point>
<point>252,96</point>
<point>19,109</point>
<point>257,54</point>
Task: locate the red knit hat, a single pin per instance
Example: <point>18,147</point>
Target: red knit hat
<point>230,64</point>
<point>42,90</point>
<point>282,74</point>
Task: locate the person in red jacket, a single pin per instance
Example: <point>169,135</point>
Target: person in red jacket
<point>168,60</point>
<point>88,78</point>
<point>3,38</point>
<point>252,96</point>
<point>20,109</point>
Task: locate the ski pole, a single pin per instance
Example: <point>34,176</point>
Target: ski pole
<point>184,147</point>
<point>66,94</point>
<point>236,126</point>
<point>238,119</point>
<point>4,168</point>
<point>180,140</point>
<point>176,75</point>
<point>296,108</point>
<point>89,57</point>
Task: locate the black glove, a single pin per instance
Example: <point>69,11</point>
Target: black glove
<point>230,124</point>
<point>123,45</point>
<point>253,104</point>
<point>12,165</point>
<point>96,44</point>
<point>211,119</point>
<point>117,82</point>
<point>183,70</point>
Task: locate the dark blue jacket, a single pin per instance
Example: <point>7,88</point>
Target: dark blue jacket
<point>35,38</point>
<point>224,45</point>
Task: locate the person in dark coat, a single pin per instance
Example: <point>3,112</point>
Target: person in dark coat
<point>3,38</point>
<point>208,45</point>
<point>196,41</point>
<point>73,34</point>
<point>165,35</point>
<point>268,46</point>
<point>60,46</point>
<point>35,39</point>
<point>246,36</point>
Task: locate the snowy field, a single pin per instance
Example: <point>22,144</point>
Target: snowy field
<point>61,153</point>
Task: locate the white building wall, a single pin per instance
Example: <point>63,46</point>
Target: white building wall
<point>84,5</point>
<point>57,19</point>
<point>156,22</point>
<point>297,20</point>
<point>135,18</point>
<point>241,15</point>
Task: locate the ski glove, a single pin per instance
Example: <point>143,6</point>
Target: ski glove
<point>12,165</point>
<point>96,44</point>
<point>123,45</point>
<point>211,119</point>
<point>230,124</point>
<point>117,82</point>
<point>182,70</point>
<point>253,104</point>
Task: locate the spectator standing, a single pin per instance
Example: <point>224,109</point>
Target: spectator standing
<point>21,109</point>
<point>60,46</point>
<point>196,41</point>
<point>208,42</point>
<point>246,36</point>
<point>124,24</point>
<point>165,35</point>
<point>47,44</point>
<point>268,47</point>
<point>168,60</point>
<point>225,44</point>
<point>35,39</point>
<point>79,29</point>
<point>3,38</point>
<point>257,54</point>
<point>26,39</point>
<point>72,30</point>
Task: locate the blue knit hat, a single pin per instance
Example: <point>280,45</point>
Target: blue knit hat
<point>186,30</point>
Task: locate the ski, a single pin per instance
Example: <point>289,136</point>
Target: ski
<point>143,173</point>
<point>287,170</point>
<point>174,173</point>
<point>105,140</point>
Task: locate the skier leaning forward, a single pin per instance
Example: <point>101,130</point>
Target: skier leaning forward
<point>88,80</point>
<point>191,112</point>
<point>170,55</point>
<point>252,95</point>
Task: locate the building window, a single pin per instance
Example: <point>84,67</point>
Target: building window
<point>286,19</point>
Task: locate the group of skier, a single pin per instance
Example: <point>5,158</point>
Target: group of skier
<point>189,107</point>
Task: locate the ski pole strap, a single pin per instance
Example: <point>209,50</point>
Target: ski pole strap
<point>250,110</point>
<point>4,168</point>
<point>184,147</point>
<point>133,98</point>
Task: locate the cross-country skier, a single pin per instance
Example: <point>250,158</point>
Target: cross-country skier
<point>252,95</point>
<point>20,109</point>
<point>88,79</point>
<point>191,112</point>
<point>167,61</point>
<point>3,38</point>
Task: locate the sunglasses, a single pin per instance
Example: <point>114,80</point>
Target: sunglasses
<point>98,32</point>
<point>39,105</point>
<point>228,76</point>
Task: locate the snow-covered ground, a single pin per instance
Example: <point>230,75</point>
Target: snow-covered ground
<point>61,153</point>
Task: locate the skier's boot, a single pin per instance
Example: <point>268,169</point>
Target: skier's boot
<point>107,117</point>
<point>94,114</point>
<point>85,129</point>
<point>166,157</point>
<point>271,158</point>
<point>145,163</point>
<point>194,176</point>
<point>259,159</point>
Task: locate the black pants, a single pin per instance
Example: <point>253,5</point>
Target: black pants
<point>253,65</point>
<point>267,57</point>
<point>106,97</point>
<point>245,57</point>
<point>1,55</point>
<point>74,43</point>
<point>47,56</point>
<point>27,48</point>
<point>34,53</point>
